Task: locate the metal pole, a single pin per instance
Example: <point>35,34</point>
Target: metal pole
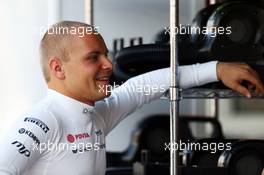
<point>88,12</point>
<point>174,86</point>
<point>54,11</point>
<point>216,111</point>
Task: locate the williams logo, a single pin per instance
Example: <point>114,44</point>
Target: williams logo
<point>22,149</point>
<point>38,122</point>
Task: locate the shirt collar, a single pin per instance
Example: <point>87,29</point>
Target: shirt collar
<point>70,103</point>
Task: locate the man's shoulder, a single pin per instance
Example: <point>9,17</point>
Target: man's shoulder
<point>40,116</point>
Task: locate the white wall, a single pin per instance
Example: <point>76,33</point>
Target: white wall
<point>22,84</point>
<point>21,78</point>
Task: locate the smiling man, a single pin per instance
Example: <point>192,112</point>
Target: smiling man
<point>65,132</point>
<point>79,65</point>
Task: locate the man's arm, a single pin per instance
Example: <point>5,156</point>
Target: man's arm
<point>149,86</point>
<point>26,143</point>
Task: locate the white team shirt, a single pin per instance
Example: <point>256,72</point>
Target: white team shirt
<point>61,135</point>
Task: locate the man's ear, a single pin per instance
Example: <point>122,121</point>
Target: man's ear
<point>56,68</point>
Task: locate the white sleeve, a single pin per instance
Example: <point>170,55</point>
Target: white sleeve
<point>21,146</point>
<point>149,86</point>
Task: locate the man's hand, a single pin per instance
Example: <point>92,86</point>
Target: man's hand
<point>233,74</point>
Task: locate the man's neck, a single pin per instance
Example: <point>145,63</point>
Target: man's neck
<point>68,94</point>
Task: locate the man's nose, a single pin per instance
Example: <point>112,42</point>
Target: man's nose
<point>107,64</point>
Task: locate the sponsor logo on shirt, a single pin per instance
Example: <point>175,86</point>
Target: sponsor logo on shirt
<point>30,134</point>
<point>22,149</point>
<point>82,150</point>
<point>38,122</point>
<point>72,138</point>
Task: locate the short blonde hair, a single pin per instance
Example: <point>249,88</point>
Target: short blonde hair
<point>55,43</point>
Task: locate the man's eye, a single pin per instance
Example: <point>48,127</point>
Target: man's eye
<point>93,57</point>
